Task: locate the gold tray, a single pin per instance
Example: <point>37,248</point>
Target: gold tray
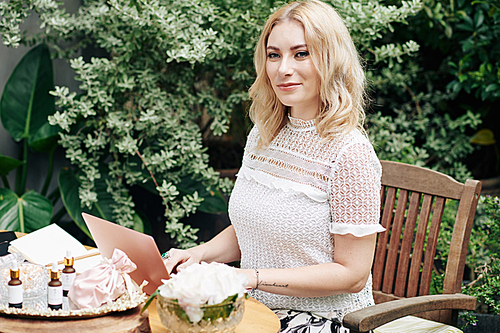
<point>123,303</point>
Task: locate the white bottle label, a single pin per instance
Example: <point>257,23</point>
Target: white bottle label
<point>55,295</point>
<point>67,280</point>
<point>16,294</point>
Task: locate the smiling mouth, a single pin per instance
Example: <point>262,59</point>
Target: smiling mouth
<point>288,86</point>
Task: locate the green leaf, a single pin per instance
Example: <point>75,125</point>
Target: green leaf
<point>7,164</point>
<point>150,299</point>
<point>484,137</point>
<point>69,184</point>
<point>138,224</point>
<point>213,202</point>
<point>26,102</point>
<point>45,139</point>
<point>27,213</point>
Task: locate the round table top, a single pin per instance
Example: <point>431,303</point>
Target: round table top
<point>256,318</point>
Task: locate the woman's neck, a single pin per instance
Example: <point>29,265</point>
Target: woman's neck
<point>306,112</point>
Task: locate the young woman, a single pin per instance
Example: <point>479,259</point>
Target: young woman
<point>306,203</point>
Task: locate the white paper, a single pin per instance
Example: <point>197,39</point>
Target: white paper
<point>47,245</point>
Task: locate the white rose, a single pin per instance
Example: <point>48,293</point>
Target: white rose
<point>201,284</point>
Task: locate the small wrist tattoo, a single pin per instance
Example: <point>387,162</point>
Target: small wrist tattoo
<point>273,285</point>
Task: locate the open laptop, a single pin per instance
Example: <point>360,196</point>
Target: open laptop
<point>139,247</point>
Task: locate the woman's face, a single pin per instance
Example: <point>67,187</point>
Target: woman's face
<point>291,72</point>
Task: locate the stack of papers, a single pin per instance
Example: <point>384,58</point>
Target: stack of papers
<point>50,243</point>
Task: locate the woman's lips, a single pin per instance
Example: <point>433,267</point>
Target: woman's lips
<point>288,86</point>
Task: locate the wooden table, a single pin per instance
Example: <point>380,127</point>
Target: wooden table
<point>257,318</point>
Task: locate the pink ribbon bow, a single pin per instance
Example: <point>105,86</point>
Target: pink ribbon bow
<point>102,283</point>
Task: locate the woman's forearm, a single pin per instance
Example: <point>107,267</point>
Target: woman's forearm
<point>348,274</point>
<point>308,281</point>
<point>222,248</point>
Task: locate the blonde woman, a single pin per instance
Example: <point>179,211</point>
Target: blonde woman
<point>305,206</point>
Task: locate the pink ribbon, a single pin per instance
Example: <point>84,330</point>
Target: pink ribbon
<point>102,283</point>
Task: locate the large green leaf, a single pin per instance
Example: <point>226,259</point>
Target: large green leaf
<point>69,184</point>
<point>27,213</point>
<point>26,102</point>
<point>45,139</point>
<point>7,164</point>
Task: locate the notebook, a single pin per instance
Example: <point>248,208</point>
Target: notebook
<point>50,243</point>
<point>139,247</point>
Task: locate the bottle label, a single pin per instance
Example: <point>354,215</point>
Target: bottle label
<point>16,294</point>
<point>67,280</point>
<point>55,295</point>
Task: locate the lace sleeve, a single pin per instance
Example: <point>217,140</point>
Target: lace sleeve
<point>355,191</point>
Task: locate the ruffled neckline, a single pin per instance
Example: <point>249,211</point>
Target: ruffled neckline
<point>297,123</point>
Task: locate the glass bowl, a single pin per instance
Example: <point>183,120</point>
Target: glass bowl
<point>216,319</point>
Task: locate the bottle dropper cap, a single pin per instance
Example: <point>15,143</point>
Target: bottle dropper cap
<point>14,270</point>
<point>14,266</point>
<point>54,274</point>
<point>68,260</point>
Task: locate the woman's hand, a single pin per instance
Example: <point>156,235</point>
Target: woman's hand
<point>180,259</point>
<point>222,248</point>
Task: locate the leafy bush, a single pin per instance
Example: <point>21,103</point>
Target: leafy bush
<point>173,75</point>
<point>418,135</point>
<point>486,286</point>
<point>483,257</point>
<point>471,30</point>
<point>459,56</point>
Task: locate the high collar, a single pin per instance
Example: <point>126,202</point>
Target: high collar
<point>300,124</point>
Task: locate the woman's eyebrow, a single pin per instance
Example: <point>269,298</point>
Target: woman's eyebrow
<point>299,46</point>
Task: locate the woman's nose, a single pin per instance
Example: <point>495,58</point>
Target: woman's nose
<point>286,67</point>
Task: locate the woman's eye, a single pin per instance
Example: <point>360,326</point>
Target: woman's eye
<point>273,55</point>
<point>302,54</point>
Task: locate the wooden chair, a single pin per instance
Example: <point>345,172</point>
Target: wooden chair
<point>411,197</point>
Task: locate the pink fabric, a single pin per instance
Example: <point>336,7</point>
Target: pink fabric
<point>102,283</point>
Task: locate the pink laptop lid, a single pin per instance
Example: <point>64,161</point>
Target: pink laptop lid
<point>139,247</point>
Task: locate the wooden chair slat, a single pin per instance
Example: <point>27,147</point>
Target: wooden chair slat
<point>418,248</point>
<point>406,245</point>
<point>392,253</point>
<point>380,252</point>
<point>460,237</point>
<point>430,250</point>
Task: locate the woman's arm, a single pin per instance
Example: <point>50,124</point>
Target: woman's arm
<point>348,274</point>
<point>222,248</point>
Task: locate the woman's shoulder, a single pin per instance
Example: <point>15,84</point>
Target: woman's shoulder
<point>353,140</point>
<point>253,137</point>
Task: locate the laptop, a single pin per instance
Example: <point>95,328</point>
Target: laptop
<point>139,247</point>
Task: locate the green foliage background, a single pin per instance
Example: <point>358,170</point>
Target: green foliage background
<point>173,75</point>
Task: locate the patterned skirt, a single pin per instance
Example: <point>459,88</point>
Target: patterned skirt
<point>306,322</point>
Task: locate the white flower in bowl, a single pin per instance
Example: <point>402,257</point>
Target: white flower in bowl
<point>203,284</point>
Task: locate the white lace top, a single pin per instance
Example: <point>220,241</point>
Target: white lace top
<point>291,197</point>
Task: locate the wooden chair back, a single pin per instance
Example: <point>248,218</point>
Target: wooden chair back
<point>412,204</point>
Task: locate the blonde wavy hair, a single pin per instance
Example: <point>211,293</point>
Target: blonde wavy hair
<point>342,79</point>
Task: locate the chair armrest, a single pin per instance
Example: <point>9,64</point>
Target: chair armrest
<point>374,316</point>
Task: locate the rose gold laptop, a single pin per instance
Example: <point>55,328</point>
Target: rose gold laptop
<point>139,247</point>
